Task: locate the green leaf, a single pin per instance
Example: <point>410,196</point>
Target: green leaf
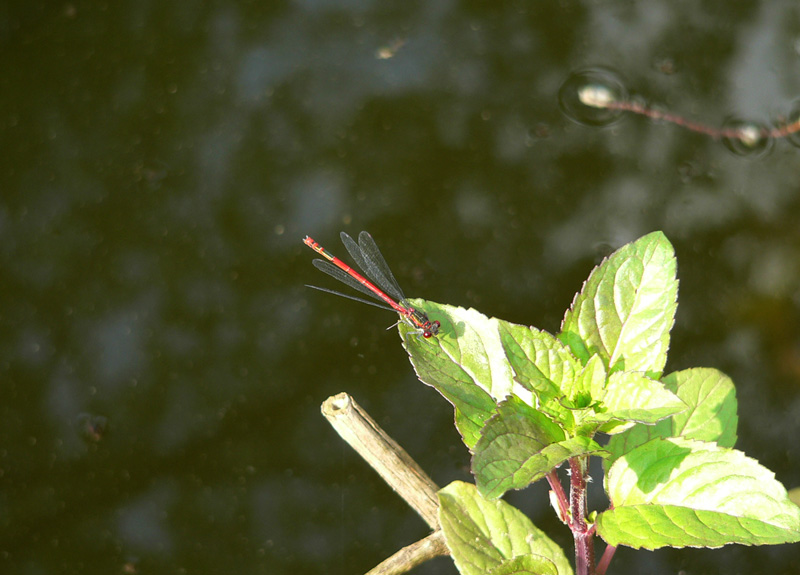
<point>590,384</point>
<point>541,364</point>
<point>710,416</point>
<point>631,396</point>
<point>677,492</point>
<point>628,397</point>
<point>711,397</point>
<point>635,436</point>
<point>626,308</point>
<point>520,445</point>
<point>465,362</point>
<point>526,565</point>
<point>482,535</point>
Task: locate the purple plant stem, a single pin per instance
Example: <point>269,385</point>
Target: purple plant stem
<point>584,544</point>
<point>730,133</point>
<point>561,497</point>
<point>602,565</point>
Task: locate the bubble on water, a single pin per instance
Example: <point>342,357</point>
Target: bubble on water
<point>596,96</point>
<point>589,96</point>
<point>745,138</point>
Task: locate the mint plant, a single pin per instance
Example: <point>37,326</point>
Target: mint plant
<point>528,403</point>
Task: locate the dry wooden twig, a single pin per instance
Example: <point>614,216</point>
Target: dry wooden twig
<point>399,470</point>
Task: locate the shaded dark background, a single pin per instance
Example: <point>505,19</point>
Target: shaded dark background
<point>161,363</point>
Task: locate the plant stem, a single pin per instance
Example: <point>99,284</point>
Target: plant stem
<point>561,498</point>
<point>413,555</point>
<point>584,545</point>
<point>602,565</point>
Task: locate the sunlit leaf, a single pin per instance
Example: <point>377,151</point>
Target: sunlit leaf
<point>540,361</point>
<point>626,308</point>
<point>543,365</point>
<point>677,492</point>
<point>711,397</point>
<point>590,383</point>
<point>631,396</point>
<point>482,535</point>
<point>465,362</point>
<point>710,415</point>
<point>526,565</point>
<point>519,445</point>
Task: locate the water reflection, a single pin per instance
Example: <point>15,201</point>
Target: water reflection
<point>163,162</point>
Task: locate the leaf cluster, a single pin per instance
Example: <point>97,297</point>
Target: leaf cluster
<point>527,401</point>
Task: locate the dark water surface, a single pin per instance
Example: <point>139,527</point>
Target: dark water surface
<point>161,363</point>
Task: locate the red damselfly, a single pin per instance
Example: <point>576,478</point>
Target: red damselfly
<point>369,258</point>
